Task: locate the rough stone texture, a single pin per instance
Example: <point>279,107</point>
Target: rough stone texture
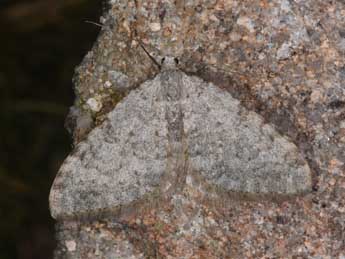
<point>164,131</point>
<point>103,246</point>
<point>282,59</point>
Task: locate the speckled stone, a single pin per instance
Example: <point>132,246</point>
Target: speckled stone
<point>282,59</point>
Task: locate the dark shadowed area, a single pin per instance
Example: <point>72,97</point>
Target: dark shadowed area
<point>41,43</point>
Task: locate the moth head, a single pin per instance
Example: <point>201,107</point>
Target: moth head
<point>169,63</point>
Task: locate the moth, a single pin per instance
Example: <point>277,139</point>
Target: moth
<point>165,131</point>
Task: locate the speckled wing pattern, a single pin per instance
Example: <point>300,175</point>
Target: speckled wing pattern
<point>120,161</point>
<point>233,147</point>
<point>144,137</point>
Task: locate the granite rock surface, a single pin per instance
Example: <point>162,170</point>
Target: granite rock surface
<point>284,60</point>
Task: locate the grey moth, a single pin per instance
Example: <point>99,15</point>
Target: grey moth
<point>163,132</point>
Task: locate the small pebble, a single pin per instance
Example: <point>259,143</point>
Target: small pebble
<point>107,84</point>
<point>94,105</point>
<point>155,26</point>
<point>71,245</point>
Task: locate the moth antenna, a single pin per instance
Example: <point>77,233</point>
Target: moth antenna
<point>141,43</point>
<point>148,54</point>
<point>94,23</point>
<point>230,70</point>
